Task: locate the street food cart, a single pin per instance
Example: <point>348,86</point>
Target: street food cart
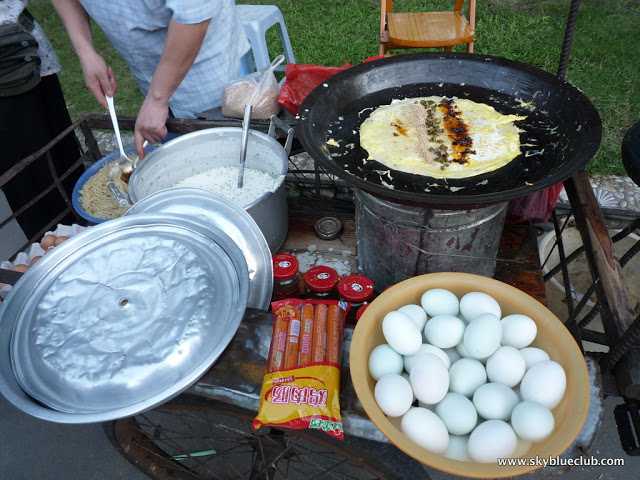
<point>202,428</point>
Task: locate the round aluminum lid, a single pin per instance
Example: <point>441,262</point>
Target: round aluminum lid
<point>122,317</point>
<point>230,218</point>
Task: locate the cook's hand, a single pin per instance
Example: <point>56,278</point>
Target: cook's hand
<point>150,124</point>
<point>98,76</point>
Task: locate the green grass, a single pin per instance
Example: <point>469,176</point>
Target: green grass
<point>603,63</point>
<point>80,101</point>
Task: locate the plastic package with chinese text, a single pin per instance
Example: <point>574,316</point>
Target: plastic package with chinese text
<point>301,387</point>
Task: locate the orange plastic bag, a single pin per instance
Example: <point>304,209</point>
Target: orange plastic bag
<point>301,388</point>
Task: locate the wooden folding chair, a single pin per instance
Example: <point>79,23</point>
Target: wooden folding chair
<point>427,29</point>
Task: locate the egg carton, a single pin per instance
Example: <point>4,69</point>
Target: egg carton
<point>36,250</point>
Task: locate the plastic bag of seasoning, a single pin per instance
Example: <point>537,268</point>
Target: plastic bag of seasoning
<point>258,89</point>
<point>301,388</point>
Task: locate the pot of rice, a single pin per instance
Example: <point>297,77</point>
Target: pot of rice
<point>209,159</point>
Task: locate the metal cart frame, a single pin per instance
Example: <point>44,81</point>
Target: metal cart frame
<point>224,401</point>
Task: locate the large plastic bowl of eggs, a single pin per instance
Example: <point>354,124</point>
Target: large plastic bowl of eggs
<point>461,371</point>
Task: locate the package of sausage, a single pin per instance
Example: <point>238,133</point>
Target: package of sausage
<point>301,387</point>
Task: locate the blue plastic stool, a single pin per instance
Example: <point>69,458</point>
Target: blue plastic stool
<point>257,19</point>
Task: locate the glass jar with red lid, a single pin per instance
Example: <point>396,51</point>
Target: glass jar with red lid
<point>321,282</point>
<point>357,290</point>
<point>286,276</point>
<point>361,310</point>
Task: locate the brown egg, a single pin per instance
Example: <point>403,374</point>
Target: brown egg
<point>60,239</point>
<point>49,250</point>
<point>35,259</point>
<point>20,268</point>
<point>48,241</point>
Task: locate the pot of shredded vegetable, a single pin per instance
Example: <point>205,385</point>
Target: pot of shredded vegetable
<point>91,198</point>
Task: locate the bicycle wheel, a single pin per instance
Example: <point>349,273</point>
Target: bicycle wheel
<point>194,441</point>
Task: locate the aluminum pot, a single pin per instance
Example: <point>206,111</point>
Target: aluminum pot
<point>202,150</point>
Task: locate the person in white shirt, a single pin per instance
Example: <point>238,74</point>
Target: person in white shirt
<point>181,53</point>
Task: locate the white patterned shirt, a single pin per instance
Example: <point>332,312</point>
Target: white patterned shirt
<point>10,10</point>
<point>138,30</point>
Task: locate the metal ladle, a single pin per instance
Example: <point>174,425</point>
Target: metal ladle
<point>123,168</point>
<point>124,163</point>
<point>243,145</point>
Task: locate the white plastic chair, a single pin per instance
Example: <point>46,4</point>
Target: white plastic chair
<point>257,19</point>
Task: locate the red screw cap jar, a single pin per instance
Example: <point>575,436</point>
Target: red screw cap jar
<point>357,290</point>
<point>321,282</point>
<point>286,276</point>
<point>361,310</point>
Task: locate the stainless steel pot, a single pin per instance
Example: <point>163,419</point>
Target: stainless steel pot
<point>202,150</point>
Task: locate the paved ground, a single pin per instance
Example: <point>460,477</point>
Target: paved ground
<point>32,449</point>
<point>35,449</point>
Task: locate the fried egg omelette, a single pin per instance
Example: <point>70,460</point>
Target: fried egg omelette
<point>440,137</point>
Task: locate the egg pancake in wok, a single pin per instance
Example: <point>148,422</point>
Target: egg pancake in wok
<point>440,137</point>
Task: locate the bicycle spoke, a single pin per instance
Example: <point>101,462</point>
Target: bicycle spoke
<point>206,443</point>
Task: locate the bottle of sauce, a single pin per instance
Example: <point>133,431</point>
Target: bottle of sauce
<point>321,282</point>
<point>357,290</point>
<point>286,277</point>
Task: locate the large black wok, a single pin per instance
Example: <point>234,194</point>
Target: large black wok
<point>560,135</point>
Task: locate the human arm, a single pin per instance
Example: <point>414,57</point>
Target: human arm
<point>98,76</point>
<point>180,50</point>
